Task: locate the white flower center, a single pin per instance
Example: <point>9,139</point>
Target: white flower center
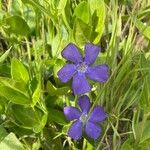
<point>83,117</point>
<point>82,67</point>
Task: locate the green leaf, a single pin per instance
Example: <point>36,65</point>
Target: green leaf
<point>58,117</point>
<point>35,87</point>
<point>36,95</point>
<point>97,8</point>
<point>28,117</point>
<point>11,142</point>
<point>48,135</point>
<point>1,109</point>
<point>3,133</point>
<point>82,12</point>
<point>127,145</point>
<point>16,7</point>
<point>10,91</point>
<point>144,29</point>
<point>52,90</point>
<point>16,25</point>
<point>61,6</point>
<point>21,86</point>
<point>81,32</point>
<point>14,95</point>
<point>146,132</point>
<point>58,65</point>
<point>5,70</point>
<point>2,105</point>
<point>145,96</point>
<point>36,145</point>
<point>5,55</point>
<point>18,71</point>
<point>144,145</point>
<point>36,5</point>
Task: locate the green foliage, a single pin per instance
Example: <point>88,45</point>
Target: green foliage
<point>18,71</point>
<point>58,117</point>
<point>82,12</point>
<point>52,90</point>
<point>97,9</point>
<point>4,56</point>
<point>10,142</point>
<point>143,28</point>
<point>82,32</point>
<point>16,25</point>
<point>32,35</point>
<point>3,133</point>
<point>11,91</point>
<point>28,117</point>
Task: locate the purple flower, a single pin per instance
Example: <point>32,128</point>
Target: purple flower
<point>81,68</point>
<point>83,121</point>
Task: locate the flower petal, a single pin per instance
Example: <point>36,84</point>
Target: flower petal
<point>80,84</point>
<point>92,130</point>
<point>75,131</point>
<point>84,103</point>
<point>97,114</point>
<point>98,73</point>
<point>91,52</point>
<point>66,72</point>
<point>71,53</point>
<point>71,113</point>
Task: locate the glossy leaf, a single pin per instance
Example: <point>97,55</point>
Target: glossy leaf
<point>82,12</point>
<point>52,90</point>
<point>146,132</point>
<point>3,133</point>
<point>10,142</point>
<point>5,55</point>
<point>36,95</point>
<point>58,117</point>
<point>13,94</point>
<point>127,145</point>
<point>143,28</point>
<point>28,117</point>
<point>61,6</point>
<point>97,8</point>
<point>81,32</point>
<point>16,25</point>
<point>18,71</point>
<point>145,96</point>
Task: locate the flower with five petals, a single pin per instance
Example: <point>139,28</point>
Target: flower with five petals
<point>81,68</point>
<point>84,121</point>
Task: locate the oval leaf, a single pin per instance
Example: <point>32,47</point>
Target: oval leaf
<point>97,8</point>
<point>18,71</point>
<point>82,12</point>
<point>28,117</point>
<point>16,25</point>
<point>14,95</point>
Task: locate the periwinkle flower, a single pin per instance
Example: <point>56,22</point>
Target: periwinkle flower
<point>84,121</point>
<point>81,68</point>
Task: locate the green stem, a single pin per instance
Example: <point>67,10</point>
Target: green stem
<point>84,144</point>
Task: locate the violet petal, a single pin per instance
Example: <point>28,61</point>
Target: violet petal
<point>84,103</point>
<point>80,84</point>
<point>92,130</point>
<point>71,53</point>
<point>91,52</point>
<point>97,114</point>
<point>98,73</point>
<point>72,113</point>
<point>75,130</point>
<point>66,72</point>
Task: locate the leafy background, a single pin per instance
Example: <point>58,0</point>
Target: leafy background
<point>32,36</point>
